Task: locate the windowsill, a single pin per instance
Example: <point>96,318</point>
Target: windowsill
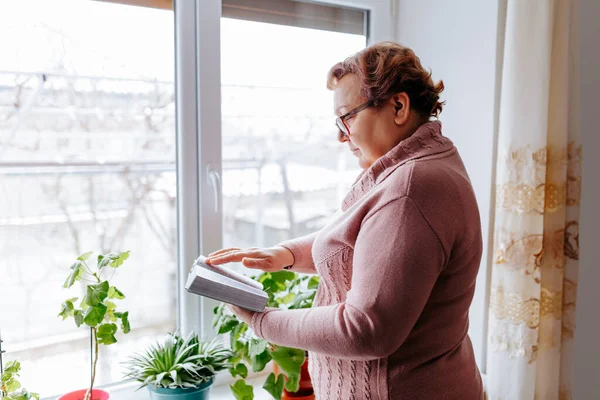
<point>219,391</point>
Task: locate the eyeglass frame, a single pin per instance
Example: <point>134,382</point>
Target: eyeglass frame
<point>340,121</point>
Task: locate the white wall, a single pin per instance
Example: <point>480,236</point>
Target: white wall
<point>457,40</point>
<point>587,334</point>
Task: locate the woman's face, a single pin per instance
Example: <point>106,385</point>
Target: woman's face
<point>372,131</point>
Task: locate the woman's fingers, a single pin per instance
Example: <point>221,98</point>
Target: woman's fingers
<point>233,256</point>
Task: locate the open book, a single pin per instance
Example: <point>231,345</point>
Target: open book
<point>225,285</point>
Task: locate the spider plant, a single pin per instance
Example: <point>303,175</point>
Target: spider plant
<point>178,362</point>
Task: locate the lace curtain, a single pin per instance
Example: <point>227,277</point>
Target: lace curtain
<point>536,239</point>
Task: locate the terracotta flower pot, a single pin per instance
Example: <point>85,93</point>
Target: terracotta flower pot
<point>97,394</point>
<point>305,392</point>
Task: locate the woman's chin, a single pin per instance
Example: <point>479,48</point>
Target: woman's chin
<point>364,164</point>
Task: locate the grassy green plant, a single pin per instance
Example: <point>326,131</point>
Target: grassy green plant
<point>286,290</point>
<point>10,387</point>
<point>178,362</point>
<point>97,309</point>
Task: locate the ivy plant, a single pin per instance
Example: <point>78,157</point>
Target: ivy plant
<point>286,290</point>
<point>97,309</point>
<point>10,387</point>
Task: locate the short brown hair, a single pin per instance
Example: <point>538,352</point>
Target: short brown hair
<point>387,68</point>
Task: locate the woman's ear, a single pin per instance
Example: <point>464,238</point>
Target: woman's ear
<point>401,104</point>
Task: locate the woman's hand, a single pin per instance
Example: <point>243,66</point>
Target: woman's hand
<point>242,314</point>
<point>245,315</point>
<point>270,259</point>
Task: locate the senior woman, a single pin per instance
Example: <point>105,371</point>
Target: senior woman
<point>398,264</point>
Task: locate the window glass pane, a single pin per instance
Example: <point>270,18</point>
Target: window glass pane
<point>284,172</point>
<point>87,152</point>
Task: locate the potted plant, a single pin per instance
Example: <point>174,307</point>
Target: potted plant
<point>179,368</point>
<point>96,310</point>
<point>10,387</point>
<point>290,378</point>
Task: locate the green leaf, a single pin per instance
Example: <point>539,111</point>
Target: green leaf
<point>240,347</point>
<point>293,383</point>
<point>12,385</point>
<point>13,367</point>
<point>313,282</point>
<point>236,334</point>
<point>257,347</point>
<point>77,271</point>
<point>303,300</point>
<point>260,361</point>
<point>67,308</point>
<point>94,314</point>
<point>110,306</point>
<point>283,276</point>
<point>84,256</point>
<point>84,305</point>
<point>288,298</point>
<point>218,311</point>
<point>104,260</point>
<point>228,323</point>
<point>6,379</point>
<point>114,293</point>
<point>112,260</point>
<point>264,276</point>
<point>125,327</point>
<point>242,391</point>
<point>290,361</point>
<point>239,370</point>
<point>106,334</point>
<point>23,395</point>
<point>269,286</point>
<point>96,293</point>
<point>274,386</point>
<point>78,315</point>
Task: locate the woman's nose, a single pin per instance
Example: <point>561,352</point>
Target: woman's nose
<point>342,137</point>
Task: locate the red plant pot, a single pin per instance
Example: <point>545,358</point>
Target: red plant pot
<point>97,394</point>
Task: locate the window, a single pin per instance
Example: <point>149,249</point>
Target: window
<point>87,162</point>
<point>284,172</point>
<point>94,155</point>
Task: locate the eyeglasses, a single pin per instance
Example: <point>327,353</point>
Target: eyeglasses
<point>341,121</point>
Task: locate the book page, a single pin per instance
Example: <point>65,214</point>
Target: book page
<point>225,282</point>
<point>201,262</point>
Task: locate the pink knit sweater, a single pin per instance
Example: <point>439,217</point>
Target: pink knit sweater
<point>398,267</point>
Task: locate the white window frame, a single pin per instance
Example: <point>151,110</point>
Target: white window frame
<point>198,94</point>
<point>198,121</point>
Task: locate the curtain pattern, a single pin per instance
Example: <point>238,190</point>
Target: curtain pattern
<point>536,239</point>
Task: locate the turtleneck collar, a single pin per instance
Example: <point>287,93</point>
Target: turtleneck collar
<point>427,140</point>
